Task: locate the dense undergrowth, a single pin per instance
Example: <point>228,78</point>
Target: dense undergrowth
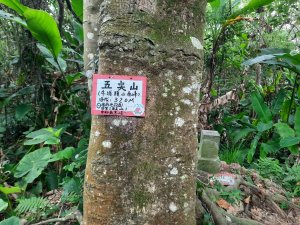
<point>44,104</point>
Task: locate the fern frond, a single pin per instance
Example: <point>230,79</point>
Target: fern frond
<point>31,205</point>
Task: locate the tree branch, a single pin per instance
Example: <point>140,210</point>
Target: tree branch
<point>61,14</point>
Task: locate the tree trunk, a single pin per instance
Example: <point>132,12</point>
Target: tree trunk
<point>142,170</point>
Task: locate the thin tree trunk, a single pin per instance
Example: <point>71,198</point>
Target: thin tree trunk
<point>142,170</point>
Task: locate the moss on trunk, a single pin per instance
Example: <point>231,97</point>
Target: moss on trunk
<point>141,170</point>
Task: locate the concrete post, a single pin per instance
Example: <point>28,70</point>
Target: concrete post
<point>208,152</point>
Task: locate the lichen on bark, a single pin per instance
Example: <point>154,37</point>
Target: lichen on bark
<point>142,171</point>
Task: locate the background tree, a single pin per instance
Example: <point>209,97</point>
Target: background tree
<point>141,170</point>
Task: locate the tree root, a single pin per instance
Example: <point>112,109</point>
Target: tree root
<point>220,216</point>
<point>75,216</point>
<point>273,199</point>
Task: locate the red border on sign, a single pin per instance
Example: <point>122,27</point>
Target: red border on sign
<point>116,77</point>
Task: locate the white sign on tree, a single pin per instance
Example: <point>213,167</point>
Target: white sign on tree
<point>119,95</point>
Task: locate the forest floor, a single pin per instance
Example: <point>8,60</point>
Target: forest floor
<point>248,200</point>
<point>235,196</point>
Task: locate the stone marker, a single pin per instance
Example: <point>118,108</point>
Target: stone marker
<point>208,152</point>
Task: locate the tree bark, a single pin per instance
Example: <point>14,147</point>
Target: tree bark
<point>142,170</point>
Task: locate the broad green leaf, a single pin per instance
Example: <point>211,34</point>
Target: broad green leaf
<point>14,5</point>
<point>241,133</point>
<point>11,17</point>
<point>44,28</point>
<point>260,107</point>
<point>72,185</point>
<point>280,57</point>
<point>77,6</point>
<point>257,59</point>
<point>294,149</point>
<point>289,141</point>
<point>284,112</point>
<point>297,121</point>
<point>34,141</point>
<point>10,190</point>
<point>11,221</point>
<point>78,28</point>
<point>215,4</point>
<point>33,164</point>
<point>48,139</point>
<point>22,110</point>
<point>261,127</point>
<point>52,141</point>
<point>57,132</point>
<point>36,133</point>
<point>59,64</point>
<point>292,60</point>
<point>253,146</point>
<point>3,205</point>
<point>269,147</point>
<point>251,7</point>
<point>284,130</point>
<point>70,78</point>
<point>2,129</point>
<point>277,103</point>
<point>67,153</point>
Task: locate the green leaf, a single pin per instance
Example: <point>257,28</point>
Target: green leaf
<point>269,147</point>
<point>278,102</point>
<point>11,221</point>
<point>70,78</point>
<point>280,57</point>
<point>253,146</point>
<point>261,127</point>
<point>67,153</point>
<point>241,133</point>
<point>34,141</point>
<point>3,205</point>
<point>284,130</point>
<point>77,6</point>
<point>33,204</point>
<point>78,28</point>
<point>294,149</point>
<point>284,112</point>
<point>36,133</point>
<point>44,28</point>
<point>59,63</point>
<point>11,17</point>
<point>22,110</point>
<point>251,7</point>
<point>289,141</point>
<point>215,4</point>
<point>297,121</point>
<point>48,139</point>
<point>10,190</point>
<point>14,5</point>
<point>72,185</point>
<point>260,107</point>
<point>48,135</point>
<point>33,164</point>
<point>258,59</point>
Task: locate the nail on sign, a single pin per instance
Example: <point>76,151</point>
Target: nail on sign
<point>119,95</point>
